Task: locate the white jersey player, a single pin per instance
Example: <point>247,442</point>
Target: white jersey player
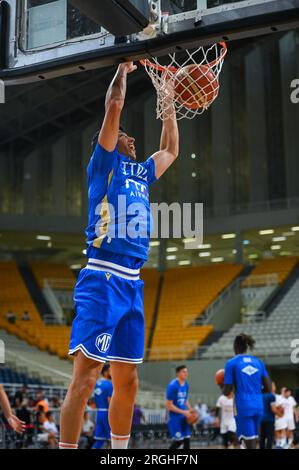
<point>227,422</point>
<point>285,425</point>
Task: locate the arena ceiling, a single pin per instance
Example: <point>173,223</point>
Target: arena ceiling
<point>217,248</point>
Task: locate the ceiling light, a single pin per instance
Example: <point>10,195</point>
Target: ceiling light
<point>204,254</point>
<point>288,234</point>
<point>193,174</point>
<point>217,260</point>
<point>226,236</point>
<point>278,239</point>
<point>171,249</point>
<point>84,252</point>
<point>155,243</point>
<point>194,240</point>
<point>45,238</point>
<point>253,256</point>
<point>184,262</point>
<point>275,247</point>
<point>246,242</point>
<point>295,229</point>
<point>266,232</point>
<point>206,246</point>
<point>193,155</point>
<point>171,257</point>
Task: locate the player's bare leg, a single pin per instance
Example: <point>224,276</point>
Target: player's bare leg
<point>290,438</point>
<point>125,386</point>
<point>85,374</point>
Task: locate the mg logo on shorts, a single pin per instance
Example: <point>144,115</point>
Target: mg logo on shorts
<point>103,342</point>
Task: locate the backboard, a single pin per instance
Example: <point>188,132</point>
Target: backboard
<point>50,38</point>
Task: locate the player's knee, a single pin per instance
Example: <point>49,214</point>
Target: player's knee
<point>83,385</point>
<point>128,384</point>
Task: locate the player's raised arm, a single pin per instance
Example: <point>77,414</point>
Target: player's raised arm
<point>115,99</point>
<point>169,144</point>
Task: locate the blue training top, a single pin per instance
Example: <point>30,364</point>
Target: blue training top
<point>268,416</point>
<point>119,218</point>
<point>246,373</point>
<point>178,394</point>
<point>103,390</point>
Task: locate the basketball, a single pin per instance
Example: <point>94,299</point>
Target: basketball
<point>193,418</point>
<point>219,377</point>
<point>280,411</point>
<point>196,86</point>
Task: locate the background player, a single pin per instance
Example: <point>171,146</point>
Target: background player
<point>268,419</point>
<point>280,421</point>
<point>286,424</point>
<point>15,423</point>
<point>247,375</point>
<point>102,396</point>
<point>109,323</point>
<point>179,409</point>
<point>225,404</point>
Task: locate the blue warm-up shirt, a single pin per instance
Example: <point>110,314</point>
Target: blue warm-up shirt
<point>268,399</point>
<point>178,394</point>
<point>119,218</point>
<point>246,373</point>
<point>103,390</point>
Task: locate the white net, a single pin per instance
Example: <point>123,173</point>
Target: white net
<point>187,82</point>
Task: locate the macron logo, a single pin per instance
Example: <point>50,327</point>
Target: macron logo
<point>103,342</point>
<point>249,370</point>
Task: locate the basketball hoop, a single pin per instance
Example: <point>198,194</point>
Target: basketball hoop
<point>190,77</point>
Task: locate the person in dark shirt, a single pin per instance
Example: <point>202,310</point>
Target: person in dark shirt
<point>21,395</point>
<point>138,415</point>
<point>268,421</point>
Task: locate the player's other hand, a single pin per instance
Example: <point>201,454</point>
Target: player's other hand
<point>128,67</point>
<point>16,424</point>
<point>188,413</point>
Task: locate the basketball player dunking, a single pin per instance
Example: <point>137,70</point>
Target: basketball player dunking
<point>109,323</point>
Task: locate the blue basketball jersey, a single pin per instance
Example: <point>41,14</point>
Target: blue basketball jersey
<point>178,394</point>
<point>103,390</point>
<point>246,373</point>
<point>119,218</point>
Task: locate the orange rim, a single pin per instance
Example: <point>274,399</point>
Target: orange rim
<point>171,68</point>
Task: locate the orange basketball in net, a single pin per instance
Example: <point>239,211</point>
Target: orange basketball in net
<point>196,86</point>
<point>219,377</point>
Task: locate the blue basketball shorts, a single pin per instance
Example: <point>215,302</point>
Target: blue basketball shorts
<point>109,322</point>
<point>248,427</point>
<point>178,427</point>
<point>102,429</point>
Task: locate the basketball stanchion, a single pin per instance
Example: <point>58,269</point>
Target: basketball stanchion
<point>2,92</point>
<point>194,77</point>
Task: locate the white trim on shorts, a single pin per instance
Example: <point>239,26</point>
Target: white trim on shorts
<point>86,353</point>
<point>117,269</point>
<point>247,438</point>
<point>125,359</point>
